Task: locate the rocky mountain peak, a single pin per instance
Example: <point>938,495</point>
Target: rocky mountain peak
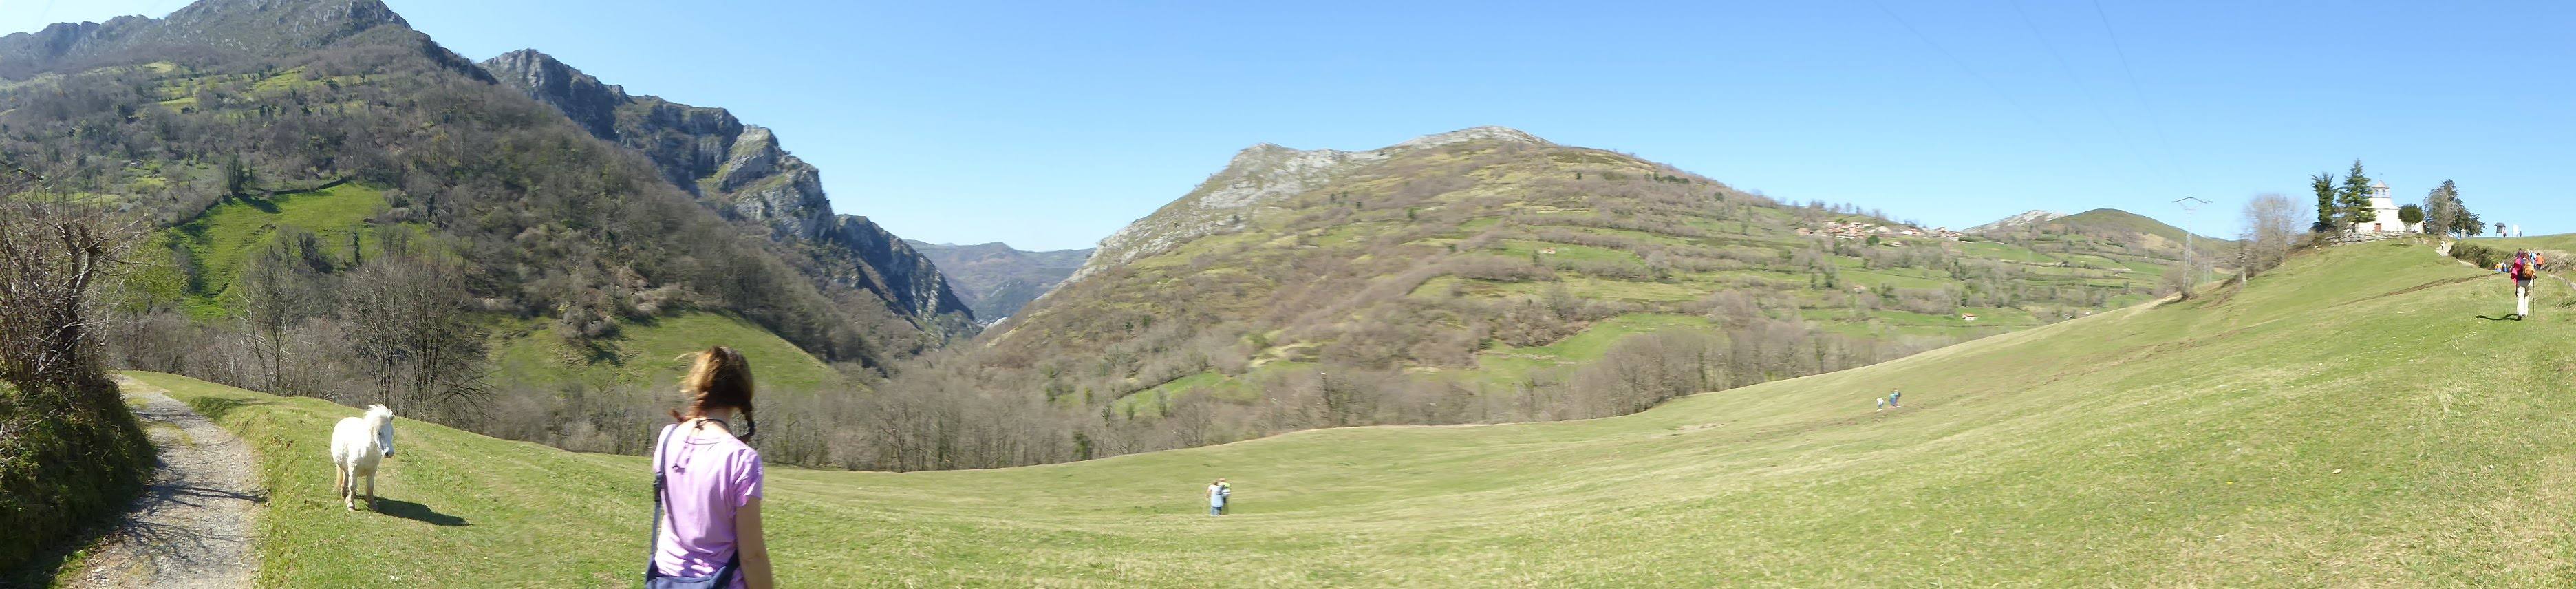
<point>254,27</point>
<point>358,14</point>
<point>2033,217</point>
<point>578,95</point>
<point>1484,133</point>
<point>262,26</point>
<point>1259,175</point>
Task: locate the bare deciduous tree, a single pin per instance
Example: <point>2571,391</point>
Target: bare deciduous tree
<point>409,321</point>
<point>2271,228</point>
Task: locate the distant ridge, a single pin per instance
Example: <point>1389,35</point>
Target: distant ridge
<point>1260,175</point>
<point>995,279</point>
<point>2028,218</point>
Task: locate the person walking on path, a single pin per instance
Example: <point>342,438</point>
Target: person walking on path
<point>709,481</point>
<point>2524,267</point>
<point>1218,492</point>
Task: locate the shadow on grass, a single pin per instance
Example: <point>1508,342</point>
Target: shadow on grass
<point>417,512</point>
<point>216,407</point>
<point>2503,317</point>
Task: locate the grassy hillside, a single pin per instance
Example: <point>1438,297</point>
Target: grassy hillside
<point>2115,222</point>
<point>1427,271</point>
<point>649,353</point>
<point>216,243</point>
<point>2348,420</point>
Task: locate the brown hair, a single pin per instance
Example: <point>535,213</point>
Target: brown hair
<point>719,378</point>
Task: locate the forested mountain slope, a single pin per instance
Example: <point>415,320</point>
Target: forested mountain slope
<point>741,170</point>
<point>349,210</point>
<point>2348,419</point>
<point>1483,275</point>
<point>996,279</point>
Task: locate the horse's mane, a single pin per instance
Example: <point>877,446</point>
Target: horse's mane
<point>378,416</point>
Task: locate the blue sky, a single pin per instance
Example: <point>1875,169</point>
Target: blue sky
<point>1049,126</point>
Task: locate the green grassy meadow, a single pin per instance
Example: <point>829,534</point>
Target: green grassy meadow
<point>2348,420</point>
<point>651,354</point>
<point>219,240</point>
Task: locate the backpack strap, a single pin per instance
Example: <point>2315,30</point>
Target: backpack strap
<point>733,565</point>
<point>653,548</point>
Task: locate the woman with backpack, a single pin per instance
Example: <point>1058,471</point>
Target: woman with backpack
<point>2523,268</point>
<point>707,480</point>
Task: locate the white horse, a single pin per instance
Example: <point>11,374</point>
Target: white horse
<point>357,445</point>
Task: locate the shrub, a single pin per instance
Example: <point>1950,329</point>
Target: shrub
<point>2478,255</point>
<point>70,451</point>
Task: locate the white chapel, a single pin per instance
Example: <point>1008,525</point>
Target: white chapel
<point>2384,214</point>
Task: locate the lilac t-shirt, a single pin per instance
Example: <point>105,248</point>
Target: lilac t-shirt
<point>709,478</point>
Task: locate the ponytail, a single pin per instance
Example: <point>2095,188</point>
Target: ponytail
<point>719,378</point>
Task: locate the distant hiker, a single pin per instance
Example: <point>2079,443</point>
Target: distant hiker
<point>1218,493</point>
<point>709,481</point>
<point>2524,267</point>
<point>1893,396</point>
<point>1882,403</point>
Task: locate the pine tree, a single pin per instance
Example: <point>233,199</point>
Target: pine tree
<point>2354,198</point>
<point>2324,183</point>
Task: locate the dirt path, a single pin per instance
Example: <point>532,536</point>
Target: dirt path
<point>192,527</point>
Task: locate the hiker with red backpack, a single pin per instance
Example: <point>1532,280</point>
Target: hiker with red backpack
<point>2524,267</point>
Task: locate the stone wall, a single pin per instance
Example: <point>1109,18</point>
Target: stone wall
<point>2353,237</point>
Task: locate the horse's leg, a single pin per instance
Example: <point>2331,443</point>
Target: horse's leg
<point>339,480</point>
<point>371,492</point>
<point>349,496</point>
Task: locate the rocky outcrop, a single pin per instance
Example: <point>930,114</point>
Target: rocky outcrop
<point>895,266</point>
<point>743,172</point>
<point>581,97</point>
<point>1259,175</point>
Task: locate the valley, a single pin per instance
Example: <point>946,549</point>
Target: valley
<point>1478,357</point>
<point>2223,441</point>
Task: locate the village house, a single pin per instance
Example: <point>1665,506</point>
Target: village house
<point>1843,230</point>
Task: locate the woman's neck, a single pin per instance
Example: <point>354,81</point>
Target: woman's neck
<point>723,426</point>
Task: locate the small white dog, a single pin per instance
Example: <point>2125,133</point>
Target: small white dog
<point>357,445</point>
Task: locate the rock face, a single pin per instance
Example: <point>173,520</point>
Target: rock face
<point>1257,176</point>
<point>741,171</point>
<point>998,280</point>
<point>579,96</point>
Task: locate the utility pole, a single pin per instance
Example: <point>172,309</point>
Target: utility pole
<point>2190,239</point>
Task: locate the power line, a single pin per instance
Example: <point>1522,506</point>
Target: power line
<point>2153,121</point>
<point>2068,70</point>
<point>1972,72</point>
